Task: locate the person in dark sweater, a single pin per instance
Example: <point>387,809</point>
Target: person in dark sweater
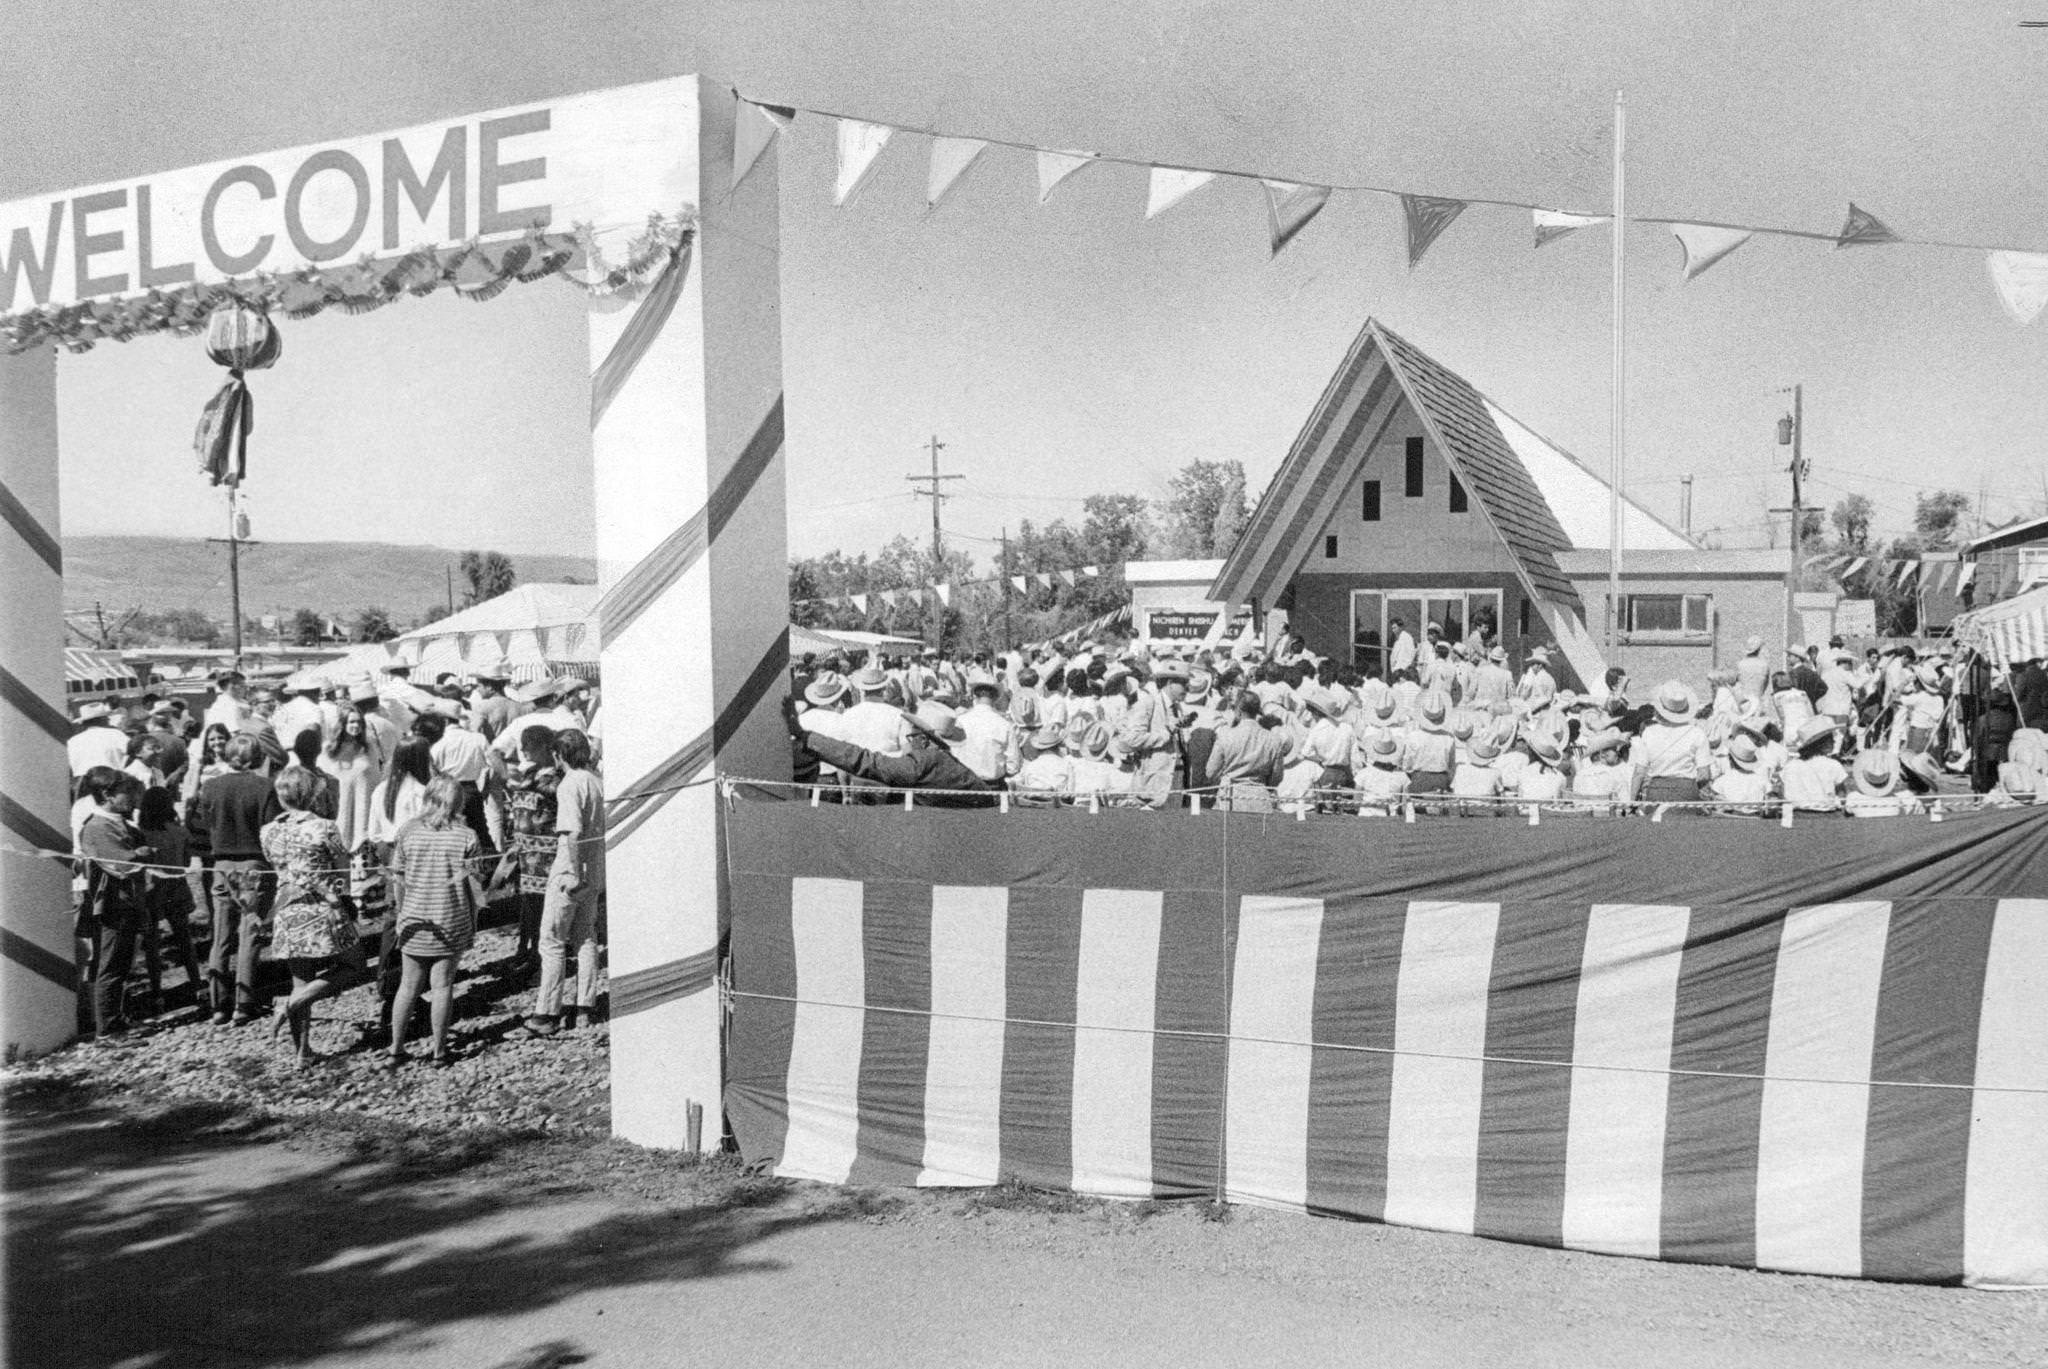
<point>928,765</point>
<point>111,915</point>
<point>227,817</point>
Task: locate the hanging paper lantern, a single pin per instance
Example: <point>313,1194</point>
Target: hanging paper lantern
<point>241,339</point>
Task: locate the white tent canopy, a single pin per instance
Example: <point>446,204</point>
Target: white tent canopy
<point>2008,632</point>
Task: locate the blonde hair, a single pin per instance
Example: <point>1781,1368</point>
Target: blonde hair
<point>442,806</point>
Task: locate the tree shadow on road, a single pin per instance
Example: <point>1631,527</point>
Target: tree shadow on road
<point>162,1243</point>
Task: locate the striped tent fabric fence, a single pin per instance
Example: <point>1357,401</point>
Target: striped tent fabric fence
<point>1821,1049</point>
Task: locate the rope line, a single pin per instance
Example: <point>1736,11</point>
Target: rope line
<point>1227,1037</point>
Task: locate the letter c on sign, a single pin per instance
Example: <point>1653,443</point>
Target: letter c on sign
<point>266,189</point>
<point>333,159</point>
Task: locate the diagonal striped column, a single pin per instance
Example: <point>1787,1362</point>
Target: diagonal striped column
<point>37,975</point>
<point>686,439</point>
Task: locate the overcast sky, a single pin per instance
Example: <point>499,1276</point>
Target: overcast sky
<point>1074,347</point>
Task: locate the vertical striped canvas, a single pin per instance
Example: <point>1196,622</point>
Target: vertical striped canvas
<point>1687,1040</point>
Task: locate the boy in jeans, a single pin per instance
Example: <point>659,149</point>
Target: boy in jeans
<point>228,815</point>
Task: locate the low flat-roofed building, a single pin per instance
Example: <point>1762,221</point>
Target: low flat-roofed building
<point>1410,497</point>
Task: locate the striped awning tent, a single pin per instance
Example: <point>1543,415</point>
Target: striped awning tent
<point>2008,632</point>
<point>86,670</point>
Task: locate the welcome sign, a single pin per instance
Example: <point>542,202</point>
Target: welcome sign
<point>606,159</point>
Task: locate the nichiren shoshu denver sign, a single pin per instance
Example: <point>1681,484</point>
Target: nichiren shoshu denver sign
<point>606,159</point>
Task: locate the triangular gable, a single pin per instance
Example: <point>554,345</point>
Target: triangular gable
<point>1321,464</point>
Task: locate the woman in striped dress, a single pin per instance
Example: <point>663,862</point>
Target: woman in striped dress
<point>434,864</point>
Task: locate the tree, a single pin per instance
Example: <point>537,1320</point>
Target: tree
<point>308,628</point>
<point>1115,528</point>
<point>489,574</point>
<point>373,625</point>
<point>1851,519</point>
<point>432,613</point>
<point>1936,517</point>
<point>1207,499</point>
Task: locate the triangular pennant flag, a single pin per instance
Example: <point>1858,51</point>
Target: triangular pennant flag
<point>504,640</point>
<point>1552,224</point>
<point>1054,167</point>
<point>1091,570</point>
<point>1289,207</point>
<point>950,159</point>
<point>945,593</point>
<point>1855,567</point>
<point>1018,581</point>
<point>1171,185</point>
<point>1427,216</point>
<point>1862,229</point>
<point>753,128</point>
<point>1068,576</point>
<point>1044,580</point>
<point>1706,243</point>
<point>1965,575</point>
<point>1941,574</point>
<point>860,601</point>
<point>2021,279</point>
<point>888,598</point>
<point>859,145</point>
<point>1906,569</point>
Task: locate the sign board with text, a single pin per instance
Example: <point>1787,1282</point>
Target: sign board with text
<point>1182,625</point>
<point>607,159</point>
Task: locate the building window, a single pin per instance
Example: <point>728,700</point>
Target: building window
<point>1330,547</point>
<point>1522,617</point>
<point>1414,490</point>
<point>1667,615</point>
<point>1371,509</point>
<point>1458,502</point>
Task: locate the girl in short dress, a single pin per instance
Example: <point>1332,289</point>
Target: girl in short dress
<point>313,927</point>
<point>434,864</point>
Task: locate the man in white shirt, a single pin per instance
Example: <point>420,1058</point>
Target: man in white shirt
<point>299,711</point>
<point>97,741</point>
<point>1491,682</point>
<point>1403,654</point>
<point>1538,686</point>
<point>991,749</point>
<point>230,707</point>
<point>872,724</point>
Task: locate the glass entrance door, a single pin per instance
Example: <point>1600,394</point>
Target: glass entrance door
<point>1454,611</point>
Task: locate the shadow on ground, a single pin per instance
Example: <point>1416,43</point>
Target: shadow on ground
<point>159,1242</point>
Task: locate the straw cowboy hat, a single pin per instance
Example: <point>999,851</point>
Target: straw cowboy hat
<point>826,690</point>
<point>1078,728</point>
<point>96,709</point>
<point>363,690</point>
<point>1199,683</point>
<point>1326,703</point>
<point>1813,732</point>
<point>1675,702</point>
<point>1742,753</point>
<point>1433,707</point>
<point>1499,655</point>
<point>1169,669</point>
<point>1461,725</point>
<point>1097,744</point>
<point>1485,749</point>
<point>1753,646</point>
<point>1876,774</point>
<point>1539,655</point>
<point>1607,739</point>
<point>1049,737</point>
<point>872,680</point>
<point>1384,746</point>
<point>1919,772</point>
<point>1544,748</point>
<point>937,721</point>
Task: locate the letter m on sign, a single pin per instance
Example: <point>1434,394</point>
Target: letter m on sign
<point>20,260</point>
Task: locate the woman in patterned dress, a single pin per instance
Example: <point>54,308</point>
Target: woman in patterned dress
<point>530,813</point>
<point>313,929</point>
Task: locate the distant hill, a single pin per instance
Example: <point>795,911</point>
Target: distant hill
<point>337,578</point>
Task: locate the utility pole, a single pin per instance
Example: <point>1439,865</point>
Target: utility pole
<point>237,538</point>
<point>1617,484</point>
<point>451,589</point>
<point>1790,434</point>
<point>1009,635</point>
<point>1685,504</point>
<point>937,495</point>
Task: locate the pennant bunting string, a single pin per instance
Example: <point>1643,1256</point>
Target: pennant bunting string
<point>950,159</point>
<point>859,145</point>
<point>1426,217</point>
<point>1289,207</point>
<point>1171,185</point>
<point>1705,243</point>
<point>2021,280</point>
<point>1552,224</point>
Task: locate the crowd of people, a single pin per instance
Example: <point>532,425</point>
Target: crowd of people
<point>357,832</point>
<point>1447,727</point>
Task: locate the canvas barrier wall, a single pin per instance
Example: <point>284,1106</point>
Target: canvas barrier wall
<point>1820,1049</point>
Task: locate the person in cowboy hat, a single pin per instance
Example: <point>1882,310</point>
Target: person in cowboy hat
<point>1381,783</point>
<point>492,712</point>
<point>1480,776</point>
<point>1150,733</point>
<point>822,709</point>
<point>927,765</point>
<point>1538,686</point>
<point>300,710</point>
<point>1813,782</point>
<point>1543,777</point>
<point>1744,781</point>
<point>1429,755</point>
<point>870,723</point>
<point>1671,755</point>
<point>1874,791</point>
<point>96,741</point>
<point>1046,773</point>
<point>989,744</point>
<point>1752,672</point>
<point>1602,777</point>
<point>1920,708</point>
<point>1249,756</point>
<point>1492,682</point>
<point>1328,743</point>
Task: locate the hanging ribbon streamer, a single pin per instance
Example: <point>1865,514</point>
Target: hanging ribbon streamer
<point>243,340</point>
<point>1289,207</point>
<point>1427,216</point>
<point>1704,244</point>
<point>2021,280</point>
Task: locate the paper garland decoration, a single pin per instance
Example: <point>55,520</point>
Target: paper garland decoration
<point>1706,243</point>
<point>1862,229</point>
<point>859,145</point>
<point>860,601</point>
<point>1552,224</point>
<point>945,593</point>
<point>753,128</point>
<point>1289,207</point>
<point>1426,216</point>
<point>950,159</point>
<point>1171,185</point>
<point>1018,581</point>
<point>2021,280</point>
<point>1054,167</point>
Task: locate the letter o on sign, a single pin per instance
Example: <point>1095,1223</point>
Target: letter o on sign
<point>307,246</point>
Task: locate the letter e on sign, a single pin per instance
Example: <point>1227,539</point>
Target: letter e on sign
<point>493,175</point>
<point>86,244</point>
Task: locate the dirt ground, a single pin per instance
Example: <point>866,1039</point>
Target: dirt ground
<point>156,1235</point>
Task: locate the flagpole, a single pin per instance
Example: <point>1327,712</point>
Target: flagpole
<point>1620,399</point>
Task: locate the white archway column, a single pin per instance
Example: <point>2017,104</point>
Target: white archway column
<point>693,561</point>
<point>38,974</point>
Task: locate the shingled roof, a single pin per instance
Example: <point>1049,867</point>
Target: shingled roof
<point>1456,416</point>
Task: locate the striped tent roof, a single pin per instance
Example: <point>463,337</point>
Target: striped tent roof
<point>2008,632</point>
<point>88,669</point>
